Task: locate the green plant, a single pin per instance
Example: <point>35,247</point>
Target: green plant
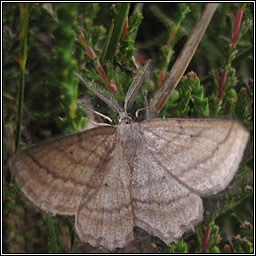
<point>77,37</point>
<point>24,14</point>
<point>65,66</point>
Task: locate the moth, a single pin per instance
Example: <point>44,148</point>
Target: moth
<point>150,174</point>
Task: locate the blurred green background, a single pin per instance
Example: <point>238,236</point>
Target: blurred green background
<point>57,37</point>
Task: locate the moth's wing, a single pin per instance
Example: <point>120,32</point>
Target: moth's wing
<point>104,216</point>
<point>176,162</point>
<point>162,205</point>
<point>55,175</point>
<point>202,154</point>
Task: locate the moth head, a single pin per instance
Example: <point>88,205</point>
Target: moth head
<point>110,100</point>
<point>124,118</point>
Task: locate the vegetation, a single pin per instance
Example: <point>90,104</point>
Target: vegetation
<point>44,43</point>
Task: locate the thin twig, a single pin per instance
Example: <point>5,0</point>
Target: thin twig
<point>183,60</point>
<point>24,14</point>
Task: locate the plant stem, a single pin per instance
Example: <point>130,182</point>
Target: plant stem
<point>97,64</point>
<point>206,239</point>
<point>24,14</point>
<point>222,83</point>
<point>52,240</point>
<point>183,60</point>
<point>233,41</point>
<point>237,26</point>
<point>117,31</point>
<point>106,44</point>
<point>138,8</point>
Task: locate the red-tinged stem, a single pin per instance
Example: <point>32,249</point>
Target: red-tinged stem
<point>103,76</point>
<point>90,52</point>
<point>125,29</point>
<point>93,56</point>
<point>237,27</point>
<point>206,239</point>
<point>161,78</point>
<point>239,16</point>
<point>102,73</point>
<point>222,83</point>
<point>111,87</point>
<point>82,37</point>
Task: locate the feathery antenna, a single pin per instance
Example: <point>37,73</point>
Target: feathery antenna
<point>109,99</point>
<point>136,83</point>
<point>102,94</point>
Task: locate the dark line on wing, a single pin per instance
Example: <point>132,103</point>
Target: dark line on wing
<point>54,175</point>
<point>194,167</point>
<point>160,202</point>
<point>189,136</point>
<point>101,164</point>
<point>71,139</point>
<point>108,210</point>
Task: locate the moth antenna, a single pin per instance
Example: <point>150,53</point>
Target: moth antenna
<point>136,83</point>
<point>138,111</point>
<point>102,94</point>
<point>97,113</point>
<point>100,124</point>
